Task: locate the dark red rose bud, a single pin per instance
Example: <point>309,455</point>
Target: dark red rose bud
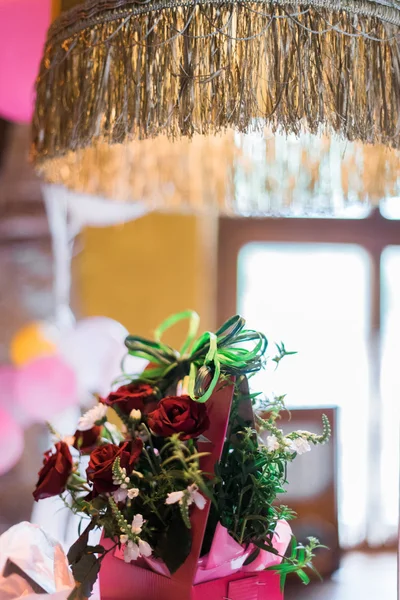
<point>53,477</point>
<point>86,441</point>
<point>99,471</point>
<point>138,396</point>
<point>179,414</point>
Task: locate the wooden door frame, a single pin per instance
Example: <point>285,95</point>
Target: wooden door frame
<point>373,234</point>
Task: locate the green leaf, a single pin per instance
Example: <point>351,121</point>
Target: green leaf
<point>252,557</point>
<point>78,548</point>
<point>175,544</point>
<point>85,572</point>
<point>303,576</point>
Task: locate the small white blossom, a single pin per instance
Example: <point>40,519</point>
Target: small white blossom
<point>124,486</point>
<point>90,418</point>
<point>133,493</point>
<point>131,551</point>
<point>272,443</point>
<point>192,495</point>
<point>175,497</point>
<point>196,497</point>
<point>135,414</point>
<point>300,445</point>
<point>120,495</point>
<point>117,481</point>
<point>123,539</point>
<point>145,549</point>
<point>137,524</point>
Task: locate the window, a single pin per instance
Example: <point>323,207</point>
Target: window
<point>330,289</point>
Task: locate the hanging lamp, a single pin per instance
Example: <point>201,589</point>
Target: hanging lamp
<point>121,80</point>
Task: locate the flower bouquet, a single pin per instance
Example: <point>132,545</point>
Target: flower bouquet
<point>183,489</point>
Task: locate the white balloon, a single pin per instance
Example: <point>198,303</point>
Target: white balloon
<point>132,366</point>
<point>92,347</point>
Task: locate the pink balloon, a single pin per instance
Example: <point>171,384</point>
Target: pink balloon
<point>11,442</point>
<point>8,375</point>
<point>45,387</point>
<point>8,395</point>
<point>23,26</point>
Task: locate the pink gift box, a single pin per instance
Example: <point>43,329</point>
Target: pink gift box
<point>121,581</point>
<point>218,576</point>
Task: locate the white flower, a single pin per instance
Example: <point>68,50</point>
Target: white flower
<point>192,495</point>
<point>118,480</point>
<point>137,524</point>
<point>131,552</point>
<point>123,539</point>
<point>89,419</point>
<point>135,414</point>
<point>272,443</point>
<point>145,548</point>
<point>133,493</point>
<point>196,497</point>
<point>120,495</point>
<point>300,445</point>
<point>175,497</point>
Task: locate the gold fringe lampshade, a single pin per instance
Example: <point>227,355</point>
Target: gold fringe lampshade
<point>158,101</point>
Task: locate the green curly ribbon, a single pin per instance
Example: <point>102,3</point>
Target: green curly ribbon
<point>205,359</point>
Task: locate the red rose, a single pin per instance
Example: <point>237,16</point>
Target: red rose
<point>54,474</point>
<point>179,414</point>
<point>132,396</point>
<point>99,471</point>
<point>85,441</point>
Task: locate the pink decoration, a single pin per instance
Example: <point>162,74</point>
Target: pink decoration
<point>227,557</point>
<point>121,581</point>
<point>8,376</point>
<point>23,26</point>
<point>91,349</point>
<point>11,442</point>
<point>45,387</point>
<point>8,395</point>
<point>280,541</point>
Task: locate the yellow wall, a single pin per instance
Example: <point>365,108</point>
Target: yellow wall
<point>55,8</point>
<point>141,272</point>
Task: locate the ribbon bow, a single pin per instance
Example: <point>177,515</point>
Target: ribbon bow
<point>205,359</point>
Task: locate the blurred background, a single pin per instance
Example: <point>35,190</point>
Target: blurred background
<point>328,287</point>
<point>303,248</point>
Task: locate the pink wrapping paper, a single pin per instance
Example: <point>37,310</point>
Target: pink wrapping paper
<point>226,556</point>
